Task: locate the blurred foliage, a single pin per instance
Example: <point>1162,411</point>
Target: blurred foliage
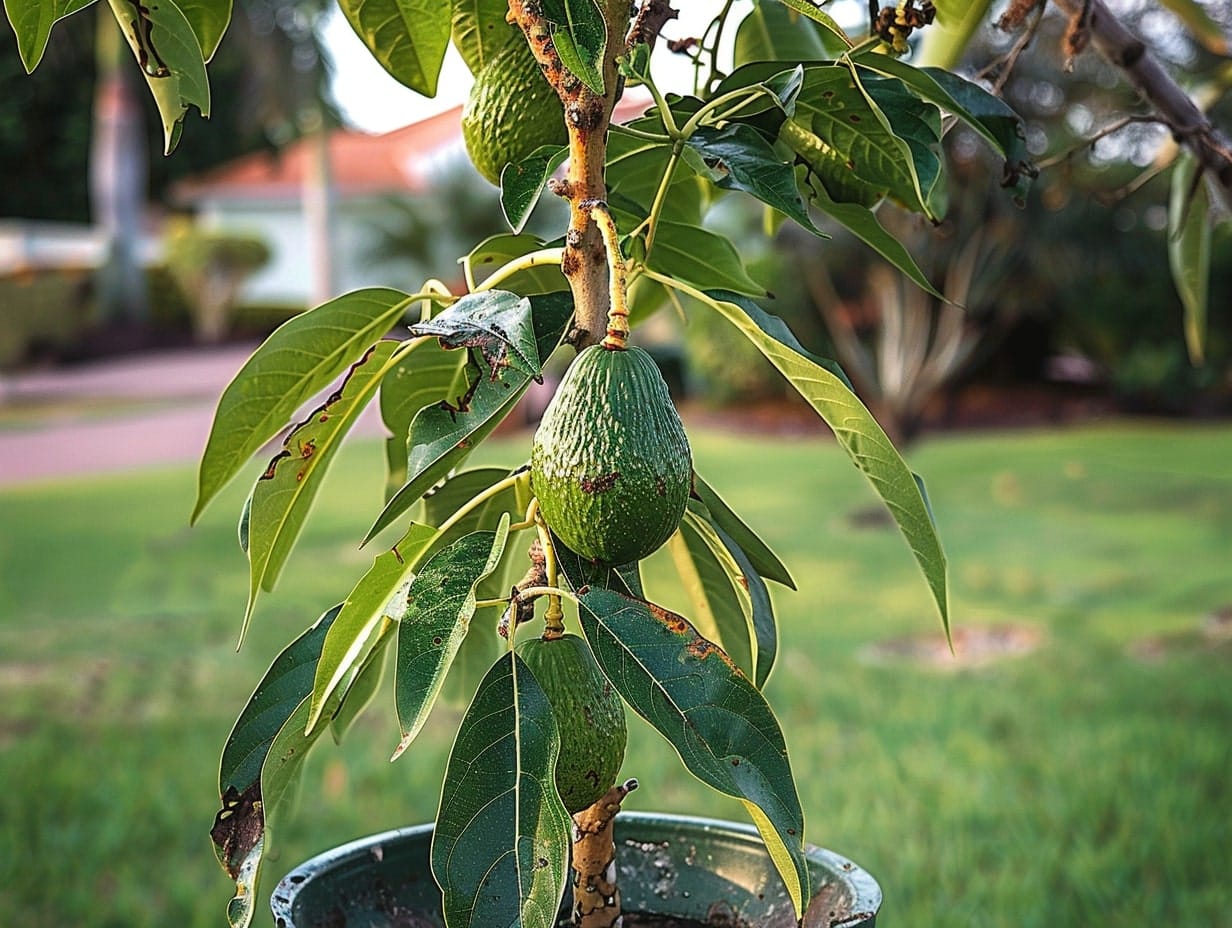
<point>210,267</point>
<point>42,313</point>
<point>267,79</point>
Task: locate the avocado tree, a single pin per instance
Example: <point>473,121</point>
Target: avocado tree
<point>531,573</point>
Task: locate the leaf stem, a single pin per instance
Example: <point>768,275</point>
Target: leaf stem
<point>656,208</point>
<point>618,306</point>
<point>554,616</point>
<point>541,258</point>
<point>478,500</point>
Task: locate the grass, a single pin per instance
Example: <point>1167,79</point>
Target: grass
<point>1078,785</point>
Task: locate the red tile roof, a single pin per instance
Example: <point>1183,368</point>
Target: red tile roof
<point>360,162</point>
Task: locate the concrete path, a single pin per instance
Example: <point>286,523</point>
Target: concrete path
<point>116,415</point>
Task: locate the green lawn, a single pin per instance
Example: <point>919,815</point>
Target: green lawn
<point>1076,786</point>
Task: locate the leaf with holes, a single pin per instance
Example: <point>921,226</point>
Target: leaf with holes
<point>165,46</point>
<point>439,606</point>
<point>285,492</point>
<point>496,323</point>
<point>501,840</point>
<point>301,358</point>
<point>709,711</point>
<point>442,436</point>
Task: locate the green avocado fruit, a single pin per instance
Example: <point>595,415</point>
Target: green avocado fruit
<point>588,713</point>
<point>610,462</point>
<point>511,111</point>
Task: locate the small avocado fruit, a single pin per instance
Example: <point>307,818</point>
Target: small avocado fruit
<point>589,716</point>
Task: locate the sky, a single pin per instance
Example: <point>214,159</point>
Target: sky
<point>373,101</point>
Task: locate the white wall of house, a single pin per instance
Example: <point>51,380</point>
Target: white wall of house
<point>286,279</point>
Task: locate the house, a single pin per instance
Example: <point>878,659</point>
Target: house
<point>272,196</point>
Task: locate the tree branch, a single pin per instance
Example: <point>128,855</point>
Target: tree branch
<point>1175,108</point>
<point>587,116</point>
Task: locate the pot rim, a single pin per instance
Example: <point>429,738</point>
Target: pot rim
<point>866,895</point>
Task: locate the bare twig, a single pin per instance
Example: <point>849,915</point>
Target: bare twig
<point>596,897</point>
<point>1174,106</point>
<point>1090,142</point>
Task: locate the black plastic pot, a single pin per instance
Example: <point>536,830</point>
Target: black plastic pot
<point>668,865</point>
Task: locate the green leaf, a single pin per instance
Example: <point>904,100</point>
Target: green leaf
<point>837,118</point>
<point>715,718</point>
<point>723,518</point>
<point>862,222</point>
<point>493,252</point>
<point>439,606</point>
<point>1189,248</point>
<point>209,20</point>
<point>635,169</point>
<point>858,433</point>
<point>986,114</point>
<point>171,60</point>
<point>834,36</point>
<point>918,124</point>
<point>480,30</point>
<point>442,436</point>
<point>523,182</point>
<point>32,21</point>
<point>379,594</point>
<point>407,37</point>
<point>701,257</point>
<point>740,159</point>
<point>501,842</point>
<point>364,686</point>
<point>582,572</point>
<point>580,38</point>
<point>261,759</point>
<point>721,610</point>
<point>772,32</point>
<point>303,356</point>
<point>284,493</point>
<point>426,374</point>
<point>765,627</point>
<point>496,323</point>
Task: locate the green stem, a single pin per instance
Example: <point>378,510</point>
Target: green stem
<point>749,93</point>
<point>656,208</point>
<point>526,262</point>
<point>478,500</point>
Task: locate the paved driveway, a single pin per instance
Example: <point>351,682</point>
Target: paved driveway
<point>116,415</point>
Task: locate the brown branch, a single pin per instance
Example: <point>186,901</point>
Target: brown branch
<point>1128,53</point>
<point>596,897</point>
<point>651,18</point>
<point>587,116</point>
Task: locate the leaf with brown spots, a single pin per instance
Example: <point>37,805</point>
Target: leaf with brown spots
<point>439,606</point>
<point>264,754</point>
<point>710,712</point>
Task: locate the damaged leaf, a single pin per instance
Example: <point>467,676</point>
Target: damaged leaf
<point>496,323</point>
